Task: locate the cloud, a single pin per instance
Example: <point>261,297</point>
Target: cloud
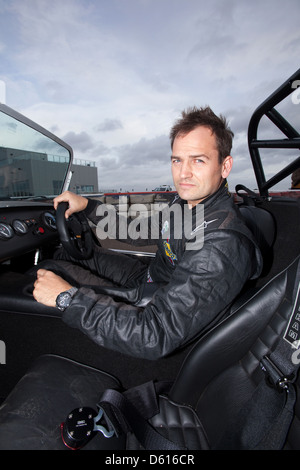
<point>145,151</point>
<point>111,77</point>
<point>109,125</point>
<point>82,141</point>
<point>148,159</point>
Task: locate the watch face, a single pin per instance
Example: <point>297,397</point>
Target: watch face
<point>64,299</point>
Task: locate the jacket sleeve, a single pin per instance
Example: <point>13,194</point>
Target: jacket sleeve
<point>202,287</point>
<point>140,231</point>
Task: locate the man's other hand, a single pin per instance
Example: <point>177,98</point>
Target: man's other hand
<point>47,287</point>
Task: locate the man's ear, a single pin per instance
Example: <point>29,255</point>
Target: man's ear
<point>226,166</point>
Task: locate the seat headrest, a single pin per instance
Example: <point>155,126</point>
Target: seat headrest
<point>262,225</point>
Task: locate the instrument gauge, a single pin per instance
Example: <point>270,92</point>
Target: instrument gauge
<point>20,227</point>
<point>50,220</point>
<point>6,231</point>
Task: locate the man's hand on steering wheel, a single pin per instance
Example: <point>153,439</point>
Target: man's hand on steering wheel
<point>76,203</point>
<point>74,232</point>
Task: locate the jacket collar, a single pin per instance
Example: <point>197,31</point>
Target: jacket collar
<point>221,193</point>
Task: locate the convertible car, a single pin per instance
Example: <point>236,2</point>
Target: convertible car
<point>236,387</point>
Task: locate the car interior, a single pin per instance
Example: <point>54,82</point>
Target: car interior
<point>225,390</point>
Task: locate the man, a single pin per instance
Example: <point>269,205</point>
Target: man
<point>194,286</point>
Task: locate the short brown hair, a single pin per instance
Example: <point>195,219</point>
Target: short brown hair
<point>196,117</point>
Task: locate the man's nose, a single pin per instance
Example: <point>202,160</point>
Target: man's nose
<point>186,169</point>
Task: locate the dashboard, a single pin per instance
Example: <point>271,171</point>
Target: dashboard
<point>25,226</point>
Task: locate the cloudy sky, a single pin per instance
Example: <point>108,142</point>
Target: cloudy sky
<point>111,76</point>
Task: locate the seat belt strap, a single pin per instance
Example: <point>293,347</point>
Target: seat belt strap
<point>124,415</point>
<point>282,363</point>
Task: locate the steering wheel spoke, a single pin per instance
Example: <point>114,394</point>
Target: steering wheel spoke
<point>75,233</point>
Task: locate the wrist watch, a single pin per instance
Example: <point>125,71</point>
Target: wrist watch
<point>63,299</point>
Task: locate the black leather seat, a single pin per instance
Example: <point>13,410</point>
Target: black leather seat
<point>221,373</point>
<point>216,381</point>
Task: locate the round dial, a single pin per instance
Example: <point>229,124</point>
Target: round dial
<point>50,220</point>
<point>20,226</point>
<point>6,231</point>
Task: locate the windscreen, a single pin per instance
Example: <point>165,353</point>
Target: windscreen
<point>31,163</point>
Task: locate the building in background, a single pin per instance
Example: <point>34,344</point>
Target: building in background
<point>26,173</point>
<point>84,177</point>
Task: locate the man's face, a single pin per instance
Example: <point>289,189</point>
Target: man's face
<point>196,170</point>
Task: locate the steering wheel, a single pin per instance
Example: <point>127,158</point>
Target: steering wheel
<point>75,233</point>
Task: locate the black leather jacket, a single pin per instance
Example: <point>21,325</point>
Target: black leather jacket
<point>196,287</point>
